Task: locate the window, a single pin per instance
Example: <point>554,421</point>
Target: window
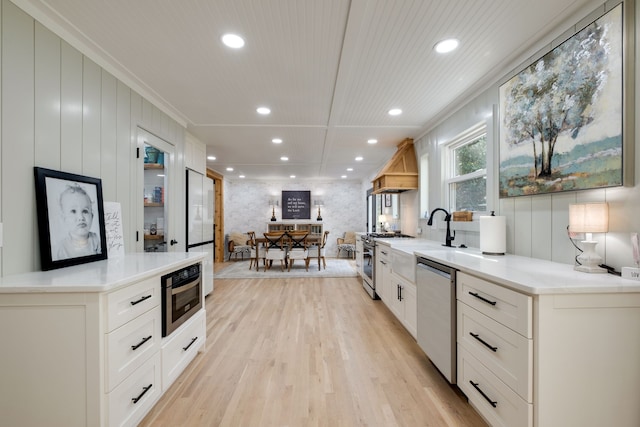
<point>467,171</point>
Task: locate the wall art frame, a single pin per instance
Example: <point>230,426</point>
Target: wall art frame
<point>71,224</point>
<point>561,118</point>
<point>296,204</point>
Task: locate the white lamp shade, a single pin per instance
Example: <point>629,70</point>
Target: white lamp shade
<point>382,218</point>
<point>589,218</point>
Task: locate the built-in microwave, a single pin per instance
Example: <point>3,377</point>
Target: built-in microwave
<point>181,297</point>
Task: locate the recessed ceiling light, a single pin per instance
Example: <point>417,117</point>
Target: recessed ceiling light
<point>211,157</point>
<point>292,176</point>
<point>446,46</point>
<point>241,176</point>
<point>276,141</point>
<point>263,110</point>
<point>284,158</point>
<point>229,169</point>
<point>233,41</point>
<point>343,176</point>
<point>349,169</point>
<point>359,158</point>
<point>395,112</point>
<point>372,141</point>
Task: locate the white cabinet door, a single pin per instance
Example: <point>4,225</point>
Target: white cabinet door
<point>409,296</point>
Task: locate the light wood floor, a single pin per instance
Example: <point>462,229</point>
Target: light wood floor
<point>307,352</point>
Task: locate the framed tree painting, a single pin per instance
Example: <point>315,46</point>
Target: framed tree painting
<point>561,118</point>
<point>71,222</point>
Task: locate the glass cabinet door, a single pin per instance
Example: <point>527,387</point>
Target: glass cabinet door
<point>157,159</point>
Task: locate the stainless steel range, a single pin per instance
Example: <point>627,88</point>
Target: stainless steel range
<point>369,245</point>
<point>368,269</point>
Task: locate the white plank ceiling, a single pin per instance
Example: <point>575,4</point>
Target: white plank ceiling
<point>328,69</point>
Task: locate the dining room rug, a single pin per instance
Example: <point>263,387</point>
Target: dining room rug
<point>335,268</point>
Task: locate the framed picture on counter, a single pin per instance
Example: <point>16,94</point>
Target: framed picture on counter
<point>387,200</point>
<point>71,223</point>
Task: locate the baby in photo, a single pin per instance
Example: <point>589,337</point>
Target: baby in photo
<point>77,216</point>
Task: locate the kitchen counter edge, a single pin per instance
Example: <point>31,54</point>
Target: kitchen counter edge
<point>99,276</point>
<point>529,275</point>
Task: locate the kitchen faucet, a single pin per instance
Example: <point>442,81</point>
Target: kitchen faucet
<point>449,238</point>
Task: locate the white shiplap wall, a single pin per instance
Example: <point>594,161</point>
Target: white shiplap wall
<point>536,225</point>
<point>62,111</point>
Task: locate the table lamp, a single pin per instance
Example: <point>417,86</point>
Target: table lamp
<point>273,203</point>
<point>318,203</point>
<point>589,218</point>
<point>382,219</point>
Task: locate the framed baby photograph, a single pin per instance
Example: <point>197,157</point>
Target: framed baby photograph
<point>71,224</point>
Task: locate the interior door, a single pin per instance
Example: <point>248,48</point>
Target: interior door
<point>157,215</point>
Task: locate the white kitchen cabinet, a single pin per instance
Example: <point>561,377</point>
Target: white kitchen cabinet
<point>384,286</point>
<point>181,347</point>
<point>82,345</point>
<point>403,303</point>
<point>548,360</point>
<point>495,350</point>
<point>397,288</point>
<point>359,255</point>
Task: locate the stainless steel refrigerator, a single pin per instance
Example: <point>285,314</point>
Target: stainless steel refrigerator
<point>200,226</point>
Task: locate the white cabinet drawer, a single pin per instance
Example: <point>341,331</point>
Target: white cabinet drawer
<point>506,353</point>
<point>181,347</point>
<point>130,302</point>
<point>383,253</point>
<point>129,346</point>
<point>500,405</point>
<point>508,307</point>
<point>134,397</point>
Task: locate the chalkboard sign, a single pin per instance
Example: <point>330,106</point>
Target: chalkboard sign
<point>296,205</point>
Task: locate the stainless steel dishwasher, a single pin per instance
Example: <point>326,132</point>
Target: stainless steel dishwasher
<point>436,329</point>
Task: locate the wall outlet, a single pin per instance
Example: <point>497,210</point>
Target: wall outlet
<point>419,231</point>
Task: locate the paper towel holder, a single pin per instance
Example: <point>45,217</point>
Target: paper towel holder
<point>494,249</point>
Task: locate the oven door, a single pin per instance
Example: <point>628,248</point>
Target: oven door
<point>181,301</point>
<point>368,273</point>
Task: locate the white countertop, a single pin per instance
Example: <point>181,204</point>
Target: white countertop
<point>100,276</point>
<point>529,275</point>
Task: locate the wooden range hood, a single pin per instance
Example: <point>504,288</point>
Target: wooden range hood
<point>400,173</point>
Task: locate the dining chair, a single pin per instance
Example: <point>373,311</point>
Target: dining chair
<point>313,250</point>
<point>253,254</point>
<point>275,249</point>
<point>297,247</point>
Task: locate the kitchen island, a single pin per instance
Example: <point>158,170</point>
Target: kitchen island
<point>540,344</point>
<point>82,345</point>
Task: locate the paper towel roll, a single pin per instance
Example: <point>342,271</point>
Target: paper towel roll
<point>493,235</point>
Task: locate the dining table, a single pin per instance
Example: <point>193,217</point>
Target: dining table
<point>313,239</point>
